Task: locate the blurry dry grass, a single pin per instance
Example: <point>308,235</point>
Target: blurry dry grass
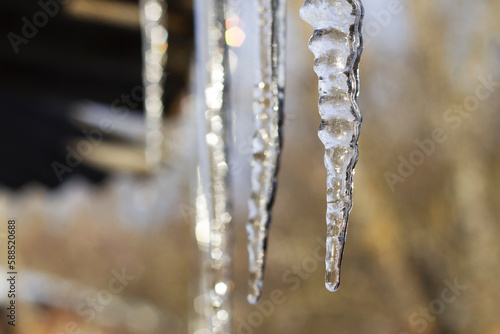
<point>440,224</point>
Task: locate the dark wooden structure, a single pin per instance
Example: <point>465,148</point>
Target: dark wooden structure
<point>70,59</point>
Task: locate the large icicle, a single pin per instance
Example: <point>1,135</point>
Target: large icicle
<point>213,128</point>
<point>154,49</point>
<point>337,46</point>
<point>268,116</point>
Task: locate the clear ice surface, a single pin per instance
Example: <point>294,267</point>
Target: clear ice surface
<point>337,45</point>
<point>268,116</point>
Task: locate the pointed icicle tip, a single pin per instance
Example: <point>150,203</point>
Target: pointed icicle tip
<point>253,298</point>
<point>332,280</point>
<point>254,289</point>
<point>332,286</point>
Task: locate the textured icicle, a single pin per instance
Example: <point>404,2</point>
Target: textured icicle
<point>268,115</point>
<point>213,123</point>
<point>154,49</point>
<point>337,46</point>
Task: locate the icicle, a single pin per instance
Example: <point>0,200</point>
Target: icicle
<point>154,48</point>
<point>337,46</point>
<point>213,128</point>
<point>268,115</point>
<point>201,292</point>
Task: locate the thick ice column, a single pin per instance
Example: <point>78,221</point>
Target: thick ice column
<point>337,46</point>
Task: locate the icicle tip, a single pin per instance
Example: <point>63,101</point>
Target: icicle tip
<point>254,288</point>
<point>253,298</point>
<point>332,281</point>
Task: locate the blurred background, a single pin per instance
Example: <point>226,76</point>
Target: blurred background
<point>107,246</point>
